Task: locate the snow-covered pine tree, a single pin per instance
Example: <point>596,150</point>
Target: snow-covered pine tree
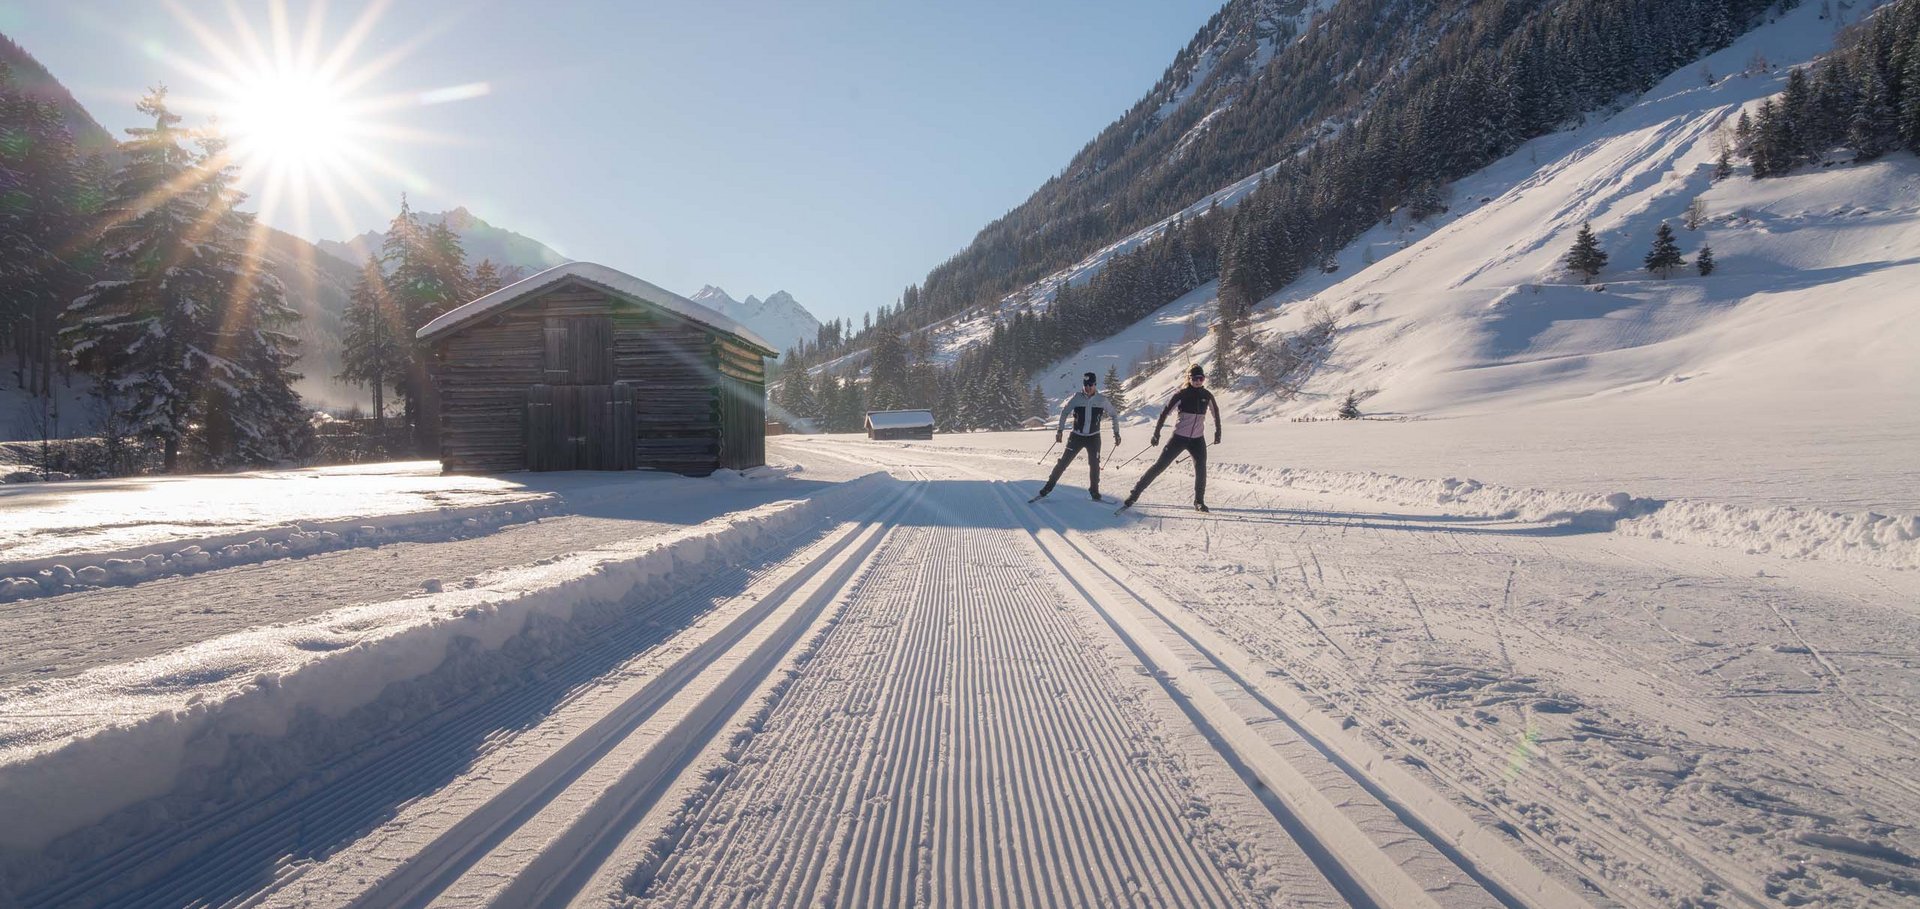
<point>375,350</point>
<point>1871,127</point>
<point>1665,256</point>
<point>1350,408</point>
<point>887,377</point>
<point>946,408</point>
<point>1723,168</point>
<point>1037,403</point>
<point>1115,391</point>
<point>191,331</point>
<point>138,331</point>
<point>1704,261</point>
<point>250,414</point>
<point>1910,94</point>
<point>1743,135</point>
<point>827,398</point>
<point>1586,259</point>
<point>1008,404</point>
<point>797,395</point>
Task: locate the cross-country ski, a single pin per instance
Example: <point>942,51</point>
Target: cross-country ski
<point>1517,507</point>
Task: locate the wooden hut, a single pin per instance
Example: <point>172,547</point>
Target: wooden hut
<point>900,424</point>
<point>582,367</point>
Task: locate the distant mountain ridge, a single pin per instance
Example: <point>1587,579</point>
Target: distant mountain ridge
<point>780,319</point>
<point>88,135</point>
<point>479,239</point>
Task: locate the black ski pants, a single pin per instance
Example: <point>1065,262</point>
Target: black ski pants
<point>1075,442</point>
<point>1193,445</point>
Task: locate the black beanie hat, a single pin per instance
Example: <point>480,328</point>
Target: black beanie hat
<point>1088,378</point>
<point>1196,371</point>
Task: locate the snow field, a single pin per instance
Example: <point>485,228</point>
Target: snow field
<point>73,751</point>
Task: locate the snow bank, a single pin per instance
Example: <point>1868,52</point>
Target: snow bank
<point>75,751</point>
<point>1862,538</point>
<point>54,575</point>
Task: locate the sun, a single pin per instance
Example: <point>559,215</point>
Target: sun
<point>293,121</point>
<point>309,123</point>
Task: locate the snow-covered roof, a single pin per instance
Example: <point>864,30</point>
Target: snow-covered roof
<point>613,281</point>
<point>899,419</point>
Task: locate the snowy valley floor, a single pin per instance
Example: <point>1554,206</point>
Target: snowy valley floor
<point>916,689</point>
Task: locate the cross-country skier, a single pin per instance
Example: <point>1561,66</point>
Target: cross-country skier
<point>1189,435</point>
<point>1086,407</point>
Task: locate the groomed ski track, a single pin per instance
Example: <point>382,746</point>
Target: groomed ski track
<point>948,699</point>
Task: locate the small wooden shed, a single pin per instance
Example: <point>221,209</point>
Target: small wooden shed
<point>900,424</point>
<point>582,367</point>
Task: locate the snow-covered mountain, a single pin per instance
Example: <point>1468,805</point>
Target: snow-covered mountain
<point>779,318</point>
<point>478,239</point>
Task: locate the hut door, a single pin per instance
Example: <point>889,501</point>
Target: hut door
<point>580,427</point>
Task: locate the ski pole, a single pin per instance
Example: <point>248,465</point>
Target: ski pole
<point>1050,448</point>
<point>1136,456</point>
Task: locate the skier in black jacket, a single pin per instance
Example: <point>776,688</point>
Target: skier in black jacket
<point>1189,435</point>
<point>1086,408</point>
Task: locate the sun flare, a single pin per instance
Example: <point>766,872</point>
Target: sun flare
<point>308,119</point>
<point>293,121</point>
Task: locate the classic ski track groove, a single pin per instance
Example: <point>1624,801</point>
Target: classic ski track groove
<point>1502,871</point>
<point>623,768</point>
<point>954,651</point>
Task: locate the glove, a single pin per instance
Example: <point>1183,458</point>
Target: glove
<point>1156,439</point>
<point>1216,437</point>
<point>1116,440</point>
<point>1056,437</point>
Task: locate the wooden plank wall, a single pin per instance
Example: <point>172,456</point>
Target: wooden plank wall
<point>687,385</point>
<point>483,374</point>
<point>670,365</point>
<point>743,405</point>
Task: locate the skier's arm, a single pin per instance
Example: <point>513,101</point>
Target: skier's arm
<point>1106,407</point>
<point>1213,404</point>
<point>1162,423</point>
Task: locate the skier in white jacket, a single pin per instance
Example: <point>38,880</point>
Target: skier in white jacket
<point>1086,408</point>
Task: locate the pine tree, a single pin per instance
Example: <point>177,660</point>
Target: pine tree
<point>1114,390</point>
<point>1723,168</point>
<point>1910,95</point>
<point>374,348</point>
<point>486,279</point>
<point>1586,259</point>
<point>887,379</point>
<point>1872,125</point>
<point>1350,408</point>
<point>193,331</point>
<point>1704,261</point>
<point>1665,256</point>
<point>1037,404</point>
<point>1743,135</point>
<point>426,277</point>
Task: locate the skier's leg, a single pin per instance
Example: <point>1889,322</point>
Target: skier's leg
<point>1093,465</point>
<point>1060,466</point>
<point>1199,450</point>
<point>1167,454</point>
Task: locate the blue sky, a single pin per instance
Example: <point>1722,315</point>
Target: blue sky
<point>837,149</point>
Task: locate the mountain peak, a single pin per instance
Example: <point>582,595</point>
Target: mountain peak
<point>779,318</point>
